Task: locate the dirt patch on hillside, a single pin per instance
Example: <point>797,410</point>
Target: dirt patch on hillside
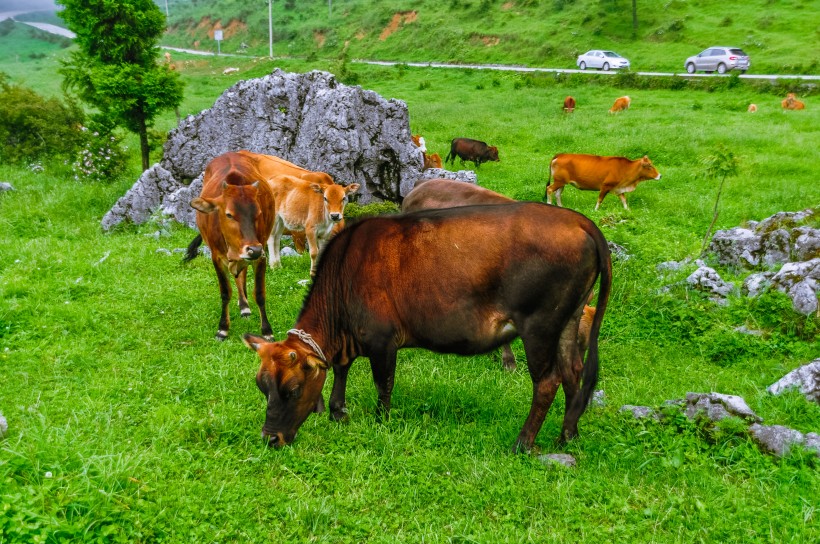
<point>399,19</point>
<point>488,41</point>
<point>319,37</point>
<point>506,6</point>
<point>234,27</point>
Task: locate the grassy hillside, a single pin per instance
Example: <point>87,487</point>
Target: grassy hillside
<point>781,37</point>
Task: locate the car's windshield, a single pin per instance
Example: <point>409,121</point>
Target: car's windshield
<point>611,54</point>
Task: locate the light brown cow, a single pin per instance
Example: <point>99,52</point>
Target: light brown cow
<point>432,161</point>
<point>792,103</point>
<point>301,205</point>
<point>569,104</point>
<point>752,108</point>
<point>620,104</point>
<point>617,175</point>
<point>445,193</point>
<point>235,217</point>
<point>418,141</point>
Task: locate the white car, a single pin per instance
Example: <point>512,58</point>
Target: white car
<point>603,60</point>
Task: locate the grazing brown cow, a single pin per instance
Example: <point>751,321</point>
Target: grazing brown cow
<point>432,161</point>
<point>620,104</point>
<point>235,217</point>
<point>792,103</point>
<point>617,175</point>
<point>300,205</point>
<point>471,150</point>
<point>457,280</point>
<point>569,104</point>
<point>752,108</point>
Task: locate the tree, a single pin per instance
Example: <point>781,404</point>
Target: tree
<point>115,69</point>
<point>722,164</point>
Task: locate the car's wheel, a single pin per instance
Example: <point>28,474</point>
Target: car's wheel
<point>690,68</point>
<point>583,65</point>
<point>743,71</point>
<point>721,68</point>
<point>606,67</point>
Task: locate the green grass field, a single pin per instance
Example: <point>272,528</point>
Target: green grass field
<point>129,423</point>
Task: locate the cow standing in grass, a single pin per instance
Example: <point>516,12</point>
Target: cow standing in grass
<point>235,216</point>
<point>457,280</point>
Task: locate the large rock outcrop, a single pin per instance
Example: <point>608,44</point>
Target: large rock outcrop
<point>310,119</point>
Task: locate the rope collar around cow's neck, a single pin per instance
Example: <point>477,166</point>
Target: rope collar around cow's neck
<point>308,339</point>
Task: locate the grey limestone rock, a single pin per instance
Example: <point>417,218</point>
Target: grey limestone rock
<point>558,459</point>
<point>310,119</point>
<point>639,412</point>
<point>717,406</point>
<point>5,186</point>
<point>707,279</point>
<point>778,439</point>
<point>806,379</point>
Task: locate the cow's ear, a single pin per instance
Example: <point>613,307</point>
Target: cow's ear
<point>316,188</point>
<point>315,363</point>
<point>254,342</point>
<point>203,205</point>
<point>352,188</point>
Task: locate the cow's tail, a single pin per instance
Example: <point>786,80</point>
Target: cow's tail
<point>193,248</point>
<point>589,375</point>
<point>451,156</point>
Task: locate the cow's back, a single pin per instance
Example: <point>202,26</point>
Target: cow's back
<point>467,269</point>
<point>589,170</point>
<point>445,193</point>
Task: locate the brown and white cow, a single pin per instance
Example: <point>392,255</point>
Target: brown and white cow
<point>467,149</point>
<point>569,104</point>
<point>620,104</point>
<point>300,205</point>
<point>458,280</point>
<point>617,175</point>
<point>752,108</point>
<point>446,193</point>
<point>792,103</point>
<point>235,216</point>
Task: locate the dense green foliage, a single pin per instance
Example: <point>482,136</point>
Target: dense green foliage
<point>115,67</point>
<point>781,37</point>
<point>33,127</point>
<point>129,423</point>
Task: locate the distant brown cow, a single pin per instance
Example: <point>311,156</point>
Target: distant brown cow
<point>617,175</point>
<point>471,150</point>
<point>235,217</point>
<point>472,278</point>
<point>752,108</point>
<point>569,104</point>
<point>792,103</point>
<point>620,104</point>
<point>300,205</point>
<point>445,193</point>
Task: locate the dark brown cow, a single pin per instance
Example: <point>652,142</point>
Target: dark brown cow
<point>471,150</point>
<point>457,280</point>
<point>617,175</point>
<point>446,193</point>
<point>569,104</point>
<point>235,217</point>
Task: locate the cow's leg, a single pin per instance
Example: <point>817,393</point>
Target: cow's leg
<point>338,405</point>
<point>507,357</point>
<point>622,196</point>
<point>225,294</point>
<point>601,195</point>
<point>259,295</point>
<point>558,192</point>
<point>313,248</point>
<point>383,366</point>
<point>571,364</point>
<point>546,377</point>
<point>241,292</point>
<point>274,241</point>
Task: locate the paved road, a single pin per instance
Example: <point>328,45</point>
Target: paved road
<point>501,67</point>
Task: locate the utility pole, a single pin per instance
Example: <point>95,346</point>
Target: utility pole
<point>329,8</point>
<point>270,28</point>
<point>166,9</point>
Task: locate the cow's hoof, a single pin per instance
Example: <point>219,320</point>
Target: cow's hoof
<point>245,313</point>
<point>340,416</point>
<point>221,335</point>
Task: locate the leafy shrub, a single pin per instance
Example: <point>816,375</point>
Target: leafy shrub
<point>354,210</point>
<point>33,127</point>
<point>102,156</point>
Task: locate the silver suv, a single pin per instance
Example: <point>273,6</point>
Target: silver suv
<point>720,59</point>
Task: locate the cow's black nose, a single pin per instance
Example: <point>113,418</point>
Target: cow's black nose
<point>336,217</point>
<point>253,252</point>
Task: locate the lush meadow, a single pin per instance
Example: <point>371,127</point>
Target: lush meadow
<point>128,422</point>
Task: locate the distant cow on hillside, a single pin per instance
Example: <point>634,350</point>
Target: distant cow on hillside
<point>569,104</point>
<point>467,149</point>
<point>792,103</point>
